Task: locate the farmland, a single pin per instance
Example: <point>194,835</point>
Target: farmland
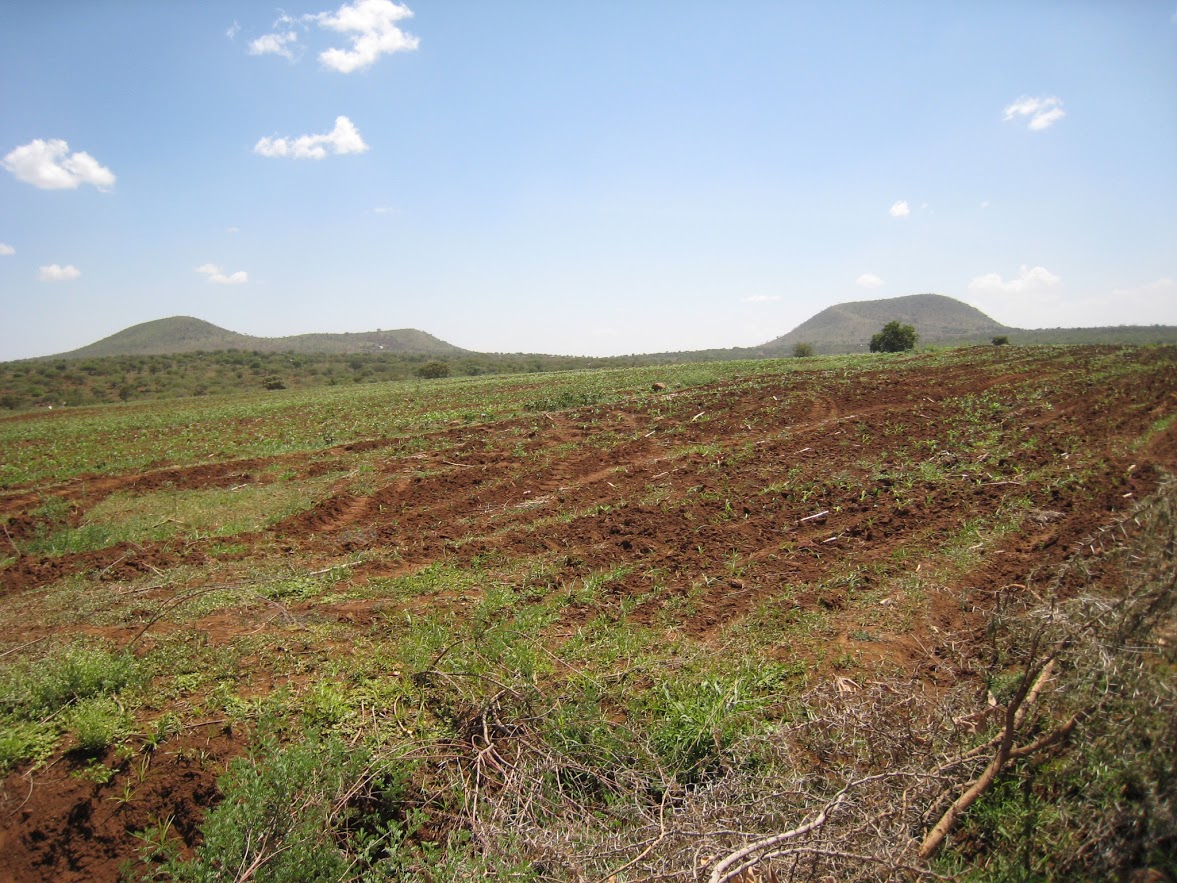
<point>618,624</point>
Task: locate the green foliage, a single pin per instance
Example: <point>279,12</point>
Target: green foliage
<point>313,810</point>
<point>894,338</point>
<point>71,690</point>
<point>692,725</point>
<point>97,723</point>
<point>32,689</point>
<point>803,350</point>
<point>1001,340</point>
<point>433,370</point>
<point>25,740</point>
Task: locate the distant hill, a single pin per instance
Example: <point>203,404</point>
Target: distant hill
<point>941,321</point>
<point>847,328</point>
<point>184,334</point>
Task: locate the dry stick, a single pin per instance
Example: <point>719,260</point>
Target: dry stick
<point>167,608</point>
<point>935,838</point>
<point>1019,716</point>
<point>23,646</point>
<point>720,873</point>
<point>11,542</point>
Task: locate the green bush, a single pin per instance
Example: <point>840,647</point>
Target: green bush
<point>97,723</point>
<point>315,810</point>
<point>432,370</point>
<point>803,350</point>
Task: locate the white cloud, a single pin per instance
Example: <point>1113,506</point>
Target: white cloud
<point>1161,287</point>
<point>233,30</point>
<point>371,27</point>
<point>232,230</point>
<point>868,280</point>
<point>900,209</point>
<point>760,299</point>
<point>344,138</point>
<point>275,44</point>
<point>58,273</point>
<point>1028,279</point>
<point>1042,112</point>
<point>386,210</point>
<point>5,248</point>
<point>215,276</point>
<point>50,166</point>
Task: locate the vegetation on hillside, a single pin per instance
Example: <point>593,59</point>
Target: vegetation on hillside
<point>92,381</point>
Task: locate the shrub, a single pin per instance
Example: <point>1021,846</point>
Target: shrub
<point>314,810</point>
<point>433,369</point>
<point>894,338</point>
<point>1001,340</point>
<point>803,350</point>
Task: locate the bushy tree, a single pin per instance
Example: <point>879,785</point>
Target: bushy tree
<point>1001,340</point>
<point>894,338</point>
<point>803,350</point>
<point>433,369</point>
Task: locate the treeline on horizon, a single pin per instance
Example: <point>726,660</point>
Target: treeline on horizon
<point>56,382</point>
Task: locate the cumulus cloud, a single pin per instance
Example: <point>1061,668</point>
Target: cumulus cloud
<point>344,138</point>
<point>760,299</point>
<point>371,25</point>
<point>868,280</point>
<point>215,276</point>
<point>900,209</point>
<point>1028,279</point>
<point>283,44</point>
<point>58,273</point>
<point>5,248</point>
<point>50,166</point>
<point>1041,113</point>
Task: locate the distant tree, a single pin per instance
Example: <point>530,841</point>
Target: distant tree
<point>1001,340</point>
<point>273,382</point>
<point>803,350</point>
<point>433,369</point>
<point>894,338</point>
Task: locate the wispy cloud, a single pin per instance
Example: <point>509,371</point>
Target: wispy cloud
<point>343,139</point>
<point>760,299</point>
<point>216,277</point>
<point>1164,286</point>
<point>6,249</point>
<point>1041,112</point>
<point>900,209</point>
<point>868,280</point>
<point>1028,279</point>
<point>233,30</point>
<point>371,25</point>
<point>50,166</point>
<point>58,273</point>
<point>283,44</point>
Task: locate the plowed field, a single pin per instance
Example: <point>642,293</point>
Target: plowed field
<point>851,519</point>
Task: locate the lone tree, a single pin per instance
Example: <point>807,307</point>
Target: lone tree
<point>803,350</point>
<point>894,338</point>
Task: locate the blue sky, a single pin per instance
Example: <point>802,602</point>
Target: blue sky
<point>604,178</point>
